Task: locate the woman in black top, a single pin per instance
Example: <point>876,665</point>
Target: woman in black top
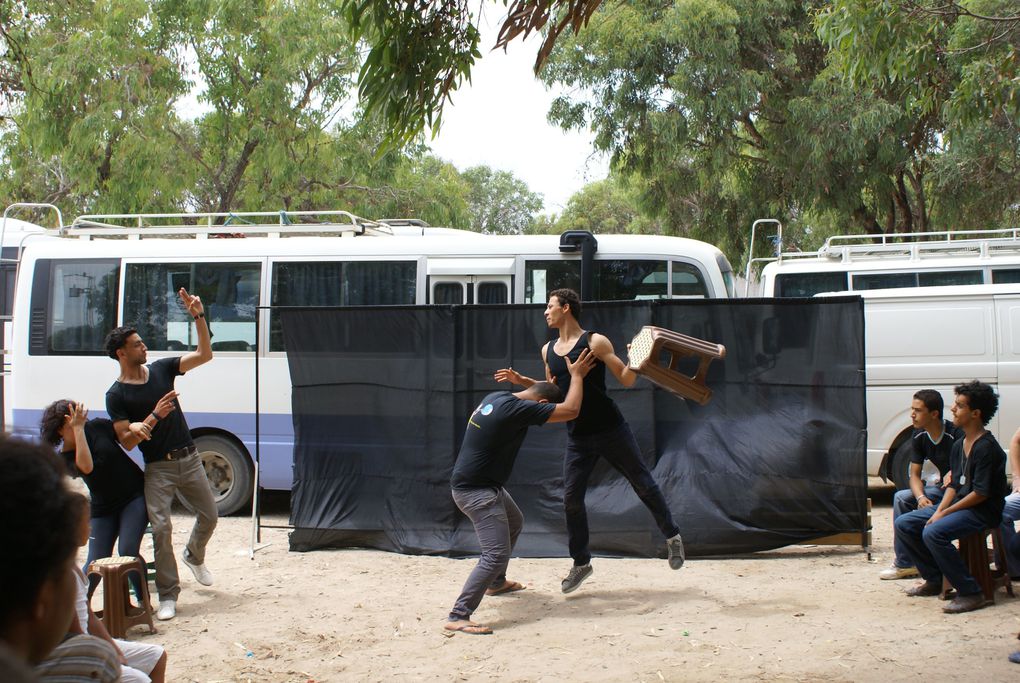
<point>115,482</point>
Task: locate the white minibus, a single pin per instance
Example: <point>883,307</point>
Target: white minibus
<point>76,283</point>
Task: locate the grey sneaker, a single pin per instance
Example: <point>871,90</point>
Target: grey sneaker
<point>201,572</point>
<point>575,578</point>
<point>675,549</point>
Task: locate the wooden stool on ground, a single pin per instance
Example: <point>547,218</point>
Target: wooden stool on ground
<point>645,359</point>
<point>117,614</point>
<point>974,551</point>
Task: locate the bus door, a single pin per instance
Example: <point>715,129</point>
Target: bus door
<point>470,281</point>
<point>1007,311</point>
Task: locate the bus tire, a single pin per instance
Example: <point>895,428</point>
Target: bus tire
<point>900,469</point>
<point>229,471</point>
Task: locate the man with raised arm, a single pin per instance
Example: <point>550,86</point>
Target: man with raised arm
<point>172,465</point>
<point>933,442</point>
<point>973,501</point>
<point>598,432</point>
<point>492,439</point>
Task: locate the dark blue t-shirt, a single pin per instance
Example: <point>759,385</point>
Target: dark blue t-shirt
<point>493,437</point>
<point>938,453</point>
<point>133,402</point>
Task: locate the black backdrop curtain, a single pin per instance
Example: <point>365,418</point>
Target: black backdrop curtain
<point>381,396</point>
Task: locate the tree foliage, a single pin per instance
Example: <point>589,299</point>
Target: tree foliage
<point>724,111</point>
<point>138,106</point>
<point>500,203</point>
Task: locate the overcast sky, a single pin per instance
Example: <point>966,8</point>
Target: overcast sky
<point>499,119</point>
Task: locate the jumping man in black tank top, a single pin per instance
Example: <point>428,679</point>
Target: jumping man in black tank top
<point>598,432</point>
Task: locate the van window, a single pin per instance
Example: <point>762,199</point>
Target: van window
<point>628,279</point>
<point>885,280</point>
<point>229,291</point>
<point>1005,276</point>
<point>809,284</point>
<point>74,306</point>
<point>923,278</point>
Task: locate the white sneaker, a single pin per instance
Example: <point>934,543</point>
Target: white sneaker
<point>202,574</point>
<point>895,572</point>
<point>167,610</point>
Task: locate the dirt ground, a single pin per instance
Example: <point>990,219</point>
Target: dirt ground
<point>805,613</point>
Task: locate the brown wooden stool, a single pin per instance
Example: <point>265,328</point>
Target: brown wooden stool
<point>974,551</point>
<point>645,353</point>
<point>117,614</point>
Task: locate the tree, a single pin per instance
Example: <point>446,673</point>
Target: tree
<point>500,203</point>
<point>419,52</point>
<point>728,111</point>
<point>606,206</point>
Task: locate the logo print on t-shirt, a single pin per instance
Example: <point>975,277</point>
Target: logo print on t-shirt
<point>484,410</point>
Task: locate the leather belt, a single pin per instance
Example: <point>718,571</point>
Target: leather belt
<point>181,453</point>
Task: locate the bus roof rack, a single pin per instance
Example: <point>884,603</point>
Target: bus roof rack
<point>224,224</point>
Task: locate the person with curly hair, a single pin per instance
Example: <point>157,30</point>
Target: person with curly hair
<point>973,501</point>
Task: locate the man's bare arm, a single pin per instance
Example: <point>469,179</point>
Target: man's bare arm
<point>203,350</point>
<point>603,350</point>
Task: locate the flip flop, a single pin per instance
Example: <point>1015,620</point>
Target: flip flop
<point>507,587</point>
<point>468,628</point>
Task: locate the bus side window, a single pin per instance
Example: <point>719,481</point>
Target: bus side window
<point>688,280</point>
<point>229,291</point>
<point>885,280</point>
<point>74,306</point>
<point>1005,276</point>
<point>542,277</point>
<point>629,279</point>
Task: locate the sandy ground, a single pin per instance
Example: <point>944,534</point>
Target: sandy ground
<point>806,613</point>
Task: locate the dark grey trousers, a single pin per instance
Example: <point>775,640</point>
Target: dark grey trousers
<point>498,522</point>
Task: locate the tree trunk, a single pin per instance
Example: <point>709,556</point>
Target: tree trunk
<point>903,204</point>
<point>917,184</point>
<point>227,196</point>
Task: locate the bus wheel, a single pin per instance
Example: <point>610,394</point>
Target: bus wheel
<point>901,465</point>
<point>229,472</point>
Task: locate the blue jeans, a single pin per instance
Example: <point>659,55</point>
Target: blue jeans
<point>904,501</point>
<point>620,450</point>
<point>498,522</point>
<point>126,525</point>
<point>1011,513</point>
<point>930,546</point>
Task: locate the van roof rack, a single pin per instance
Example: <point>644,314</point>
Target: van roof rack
<point>225,224</point>
<point>917,245</point>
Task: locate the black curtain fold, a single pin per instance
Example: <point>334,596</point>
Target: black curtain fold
<point>381,396</point>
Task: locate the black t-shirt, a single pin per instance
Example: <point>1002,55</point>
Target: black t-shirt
<point>598,412</point>
<point>938,453</point>
<point>983,471</point>
<point>493,436</point>
<point>133,402</point>
<point>115,480</point>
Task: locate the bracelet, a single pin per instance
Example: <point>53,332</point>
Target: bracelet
<point>154,415</point>
<point>200,315</point>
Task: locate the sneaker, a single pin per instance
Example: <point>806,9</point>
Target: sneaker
<point>576,577</point>
<point>966,603</point>
<point>675,550</point>
<point>895,572</point>
<point>926,589</point>
<point>202,574</point>
<point>167,610</point>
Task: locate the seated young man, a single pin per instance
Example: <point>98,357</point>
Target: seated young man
<point>973,501</point>
<point>933,442</point>
<point>140,662</point>
<point>37,600</point>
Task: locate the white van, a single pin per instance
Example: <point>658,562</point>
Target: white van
<point>936,338</point>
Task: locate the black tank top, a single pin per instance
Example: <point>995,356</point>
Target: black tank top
<point>598,412</point>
